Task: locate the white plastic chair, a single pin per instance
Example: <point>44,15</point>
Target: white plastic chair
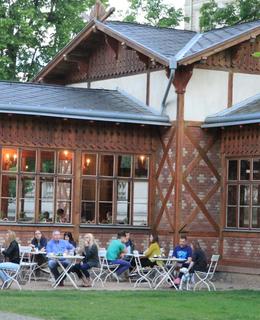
<point>27,266</point>
<point>206,277</point>
<point>12,278</point>
<point>143,273</point>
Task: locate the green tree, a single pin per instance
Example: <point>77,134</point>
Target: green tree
<point>154,12</point>
<point>33,31</point>
<point>237,11</point>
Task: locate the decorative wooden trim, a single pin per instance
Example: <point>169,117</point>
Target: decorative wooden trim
<point>148,86</point>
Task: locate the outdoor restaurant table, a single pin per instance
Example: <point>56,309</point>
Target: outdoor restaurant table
<point>65,270</point>
<point>168,266</point>
<point>39,267</point>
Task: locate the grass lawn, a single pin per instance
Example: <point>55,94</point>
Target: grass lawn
<point>150,305</point>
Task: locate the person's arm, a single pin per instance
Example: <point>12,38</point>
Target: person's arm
<point>49,248</point>
<point>70,246</point>
<point>149,251</point>
<point>174,255</point>
<point>91,252</point>
<point>189,255</point>
<point>10,250</point>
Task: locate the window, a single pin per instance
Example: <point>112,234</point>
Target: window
<point>35,184</point>
<point>114,189</point>
<point>243,193</point>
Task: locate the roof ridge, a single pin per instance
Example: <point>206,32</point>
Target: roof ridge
<point>147,25</point>
<point>232,26</point>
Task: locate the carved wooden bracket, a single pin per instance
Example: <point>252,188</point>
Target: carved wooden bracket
<point>182,77</point>
<point>144,59</point>
<point>81,63</point>
<point>113,44</point>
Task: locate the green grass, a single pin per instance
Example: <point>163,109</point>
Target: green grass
<point>150,305</point>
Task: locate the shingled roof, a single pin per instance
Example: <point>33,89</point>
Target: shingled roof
<point>245,112</point>
<point>169,46</point>
<point>75,103</point>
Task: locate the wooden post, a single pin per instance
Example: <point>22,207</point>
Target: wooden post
<point>230,89</point>
<point>181,79</point>
<point>76,218</point>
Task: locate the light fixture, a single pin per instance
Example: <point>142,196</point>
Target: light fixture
<point>66,153</point>
<point>26,167</point>
<point>88,160</point>
<point>7,156</point>
<point>142,158</point>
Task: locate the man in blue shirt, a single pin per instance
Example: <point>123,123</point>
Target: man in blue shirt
<point>182,251</point>
<point>58,246</point>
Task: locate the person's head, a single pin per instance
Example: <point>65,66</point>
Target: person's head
<point>38,234</point>
<point>56,235</point>
<point>68,236</point>
<point>183,241</point>
<point>10,236</point>
<point>121,236</point>
<point>60,212</point>
<point>89,239</point>
<point>154,238</point>
<point>46,215</point>
<point>127,235</point>
<point>195,245</point>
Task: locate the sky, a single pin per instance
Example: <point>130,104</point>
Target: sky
<point>122,6</point>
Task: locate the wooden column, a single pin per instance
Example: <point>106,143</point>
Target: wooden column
<point>230,89</point>
<point>181,79</point>
<point>76,195</point>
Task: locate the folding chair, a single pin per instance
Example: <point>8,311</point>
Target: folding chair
<point>206,277</point>
<point>142,272</point>
<point>12,277</point>
<point>26,264</point>
<point>98,271</point>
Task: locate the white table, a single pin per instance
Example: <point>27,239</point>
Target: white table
<point>39,267</point>
<point>168,266</point>
<point>65,270</point>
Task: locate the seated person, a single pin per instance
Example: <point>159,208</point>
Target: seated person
<point>129,244</point>
<point>46,217</point>
<point>198,260</point>
<point>68,237</point>
<point>61,216</point>
<point>12,254</point>
<point>39,243</point>
<point>58,246</point>
<point>150,252</point>
<point>116,251</point>
<point>182,251</point>
<point>90,253</point>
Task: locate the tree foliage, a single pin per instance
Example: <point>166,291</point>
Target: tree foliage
<point>33,31</point>
<point>154,12</point>
<point>237,11</point>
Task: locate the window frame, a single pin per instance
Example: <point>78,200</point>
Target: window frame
<point>238,182</point>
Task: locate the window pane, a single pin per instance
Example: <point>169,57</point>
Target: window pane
<point>28,160</point>
<point>244,169</point>
<point>141,166</point>
<point>232,170</point>
<point>256,169</point>
<point>47,161</point>
<point>64,190</point>
<point>9,159</point>
<point>244,217</point>
<point>65,162</point>
<point>231,217</point>
<point>140,205</point>
<point>63,212</point>
<point>9,186</point>
<point>106,165</point>
<point>89,190</point>
<point>106,190</point>
<point>124,166</point>
<point>256,195</point>
<point>8,209</point>
<point>105,213</point>
<point>46,188</point>
<point>256,217</point>
<point>89,164</point>
<point>123,202</point>
<point>88,212</point>
<point>46,211</point>
<point>244,195</point>
<point>27,200</point>
<point>46,204</point>
<point>232,195</point>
